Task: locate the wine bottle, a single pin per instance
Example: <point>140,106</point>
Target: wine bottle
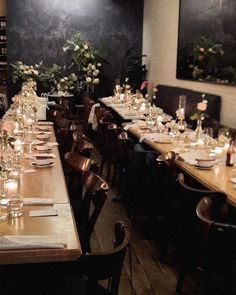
<point>230,154</point>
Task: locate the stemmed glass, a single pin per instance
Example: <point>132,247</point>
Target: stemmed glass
<point>3,190</point>
<point>207,134</point>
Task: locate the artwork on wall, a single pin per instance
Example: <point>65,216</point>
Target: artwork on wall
<point>207,41</point>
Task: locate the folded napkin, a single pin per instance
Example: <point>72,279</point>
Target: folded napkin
<point>30,242</point>
<point>37,201</point>
<point>51,144</point>
<point>92,119</point>
<point>137,123</point>
<point>40,155</point>
<point>157,137</point>
<point>42,213</point>
<point>191,156</point>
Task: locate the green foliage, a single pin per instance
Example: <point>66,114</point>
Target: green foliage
<point>24,72</point>
<point>50,76</point>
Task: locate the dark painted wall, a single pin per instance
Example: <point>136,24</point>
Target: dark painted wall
<point>37,29</point>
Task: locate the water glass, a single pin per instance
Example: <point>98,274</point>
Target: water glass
<point>3,191</point>
<point>15,205</point>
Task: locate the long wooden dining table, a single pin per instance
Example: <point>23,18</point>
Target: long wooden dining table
<point>47,183</point>
<point>218,178</point>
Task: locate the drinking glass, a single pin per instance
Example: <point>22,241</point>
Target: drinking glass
<point>182,105</point>
<point>3,190</point>
<point>15,205</point>
<point>207,134</point>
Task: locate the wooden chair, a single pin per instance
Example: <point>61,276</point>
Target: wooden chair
<point>77,166</point>
<point>219,233</point>
<point>87,211</point>
<point>183,225</point>
<point>83,147</point>
<point>105,265</point>
<point>124,149</point>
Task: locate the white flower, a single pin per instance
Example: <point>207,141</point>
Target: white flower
<point>66,78</point>
<point>62,80</point>
<point>96,72</point>
<point>87,55</point>
<point>93,67</point>
<point>99,64</point>
<point>95,81</point>
<point>76,48</point>
<point>88,80</point>
<point>86,46</point>
<point>65,48</point>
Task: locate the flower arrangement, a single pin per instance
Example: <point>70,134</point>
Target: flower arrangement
<point>23,72</point>
<point>84,57</point>
<point>91,73</point>
<point>49,77</point>
<point>201,108</point>
<point>67,83</point>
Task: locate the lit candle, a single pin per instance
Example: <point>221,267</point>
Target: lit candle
<point>12,186</point>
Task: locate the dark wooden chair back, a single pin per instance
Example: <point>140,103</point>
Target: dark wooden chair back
<point>94,196</point>
<point>107,265</point>
<point>219,233</point>
<point>78,163</point>
<point>186,224</point>
<point>83,147</point>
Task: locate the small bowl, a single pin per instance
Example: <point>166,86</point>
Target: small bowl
<point>205,162</point>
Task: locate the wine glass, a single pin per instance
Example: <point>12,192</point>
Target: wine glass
<point>182,125</point>
<point>3,190</point>
<point>207,134</point>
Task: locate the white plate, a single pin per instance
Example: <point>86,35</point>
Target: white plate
<point>233,180</point>
<point>44,128</point>
<point>163,141</point>
<point>44,123</point>
<point>43,148</point>
<point>42,166</point>
<point>42,136</point>
<point>42,162</point>
<point>203,168</point>
<point>36,141</point>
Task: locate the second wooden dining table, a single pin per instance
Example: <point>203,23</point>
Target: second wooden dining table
<point>44,183</point>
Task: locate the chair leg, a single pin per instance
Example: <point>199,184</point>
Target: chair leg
<point>108,171</point>
<point>114,176</point>
<point>101,167</point>
<point>180,280</point>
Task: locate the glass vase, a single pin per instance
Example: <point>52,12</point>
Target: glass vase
<point>198,130</point>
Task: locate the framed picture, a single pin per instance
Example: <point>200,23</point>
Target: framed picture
<point>207,41</point>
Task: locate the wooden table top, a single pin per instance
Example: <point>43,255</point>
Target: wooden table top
<point>216,179</point>
<point>45,183</point>
<point>61,226</point>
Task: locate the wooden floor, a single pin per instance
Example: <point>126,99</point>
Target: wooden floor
<point>150,277</point>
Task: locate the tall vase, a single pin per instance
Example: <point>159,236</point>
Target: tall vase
<point>198,130</point>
